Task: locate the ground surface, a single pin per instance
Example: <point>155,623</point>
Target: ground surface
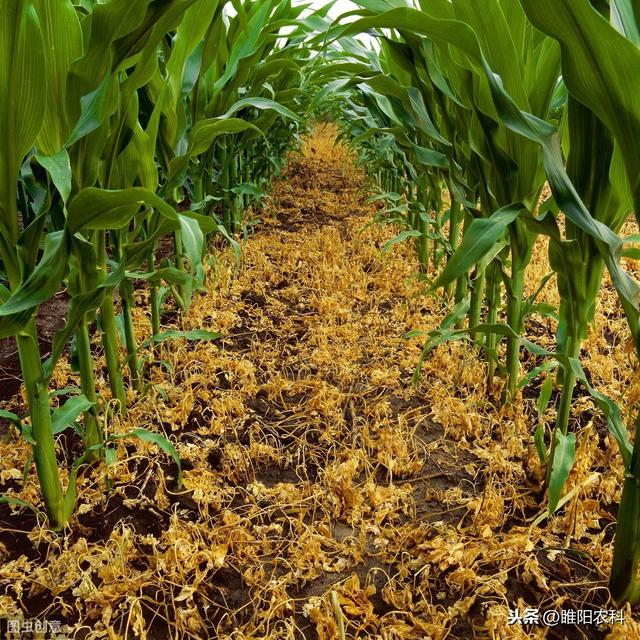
<point>312,466</point>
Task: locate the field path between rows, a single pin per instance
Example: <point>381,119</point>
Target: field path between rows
<point>320,486</point>
<point>326,445</point>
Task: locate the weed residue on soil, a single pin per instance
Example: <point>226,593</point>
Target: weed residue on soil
<point>312,465</point>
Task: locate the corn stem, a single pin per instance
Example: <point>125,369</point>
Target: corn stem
<point>44,452</point>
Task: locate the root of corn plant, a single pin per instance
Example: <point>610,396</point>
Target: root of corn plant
<point>324,495</point>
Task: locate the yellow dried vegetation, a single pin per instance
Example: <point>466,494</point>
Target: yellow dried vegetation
<point>322,491</point>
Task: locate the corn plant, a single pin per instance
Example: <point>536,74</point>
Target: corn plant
<point>116,112</point>
<point>600,57</point>
<point>508,167</point>
<point>599,51</point>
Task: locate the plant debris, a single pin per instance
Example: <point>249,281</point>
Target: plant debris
<point>321,488</point>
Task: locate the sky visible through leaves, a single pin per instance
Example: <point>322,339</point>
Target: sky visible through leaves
<point>338,6</point>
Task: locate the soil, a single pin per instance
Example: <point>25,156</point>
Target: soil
<point>312,464</point>
<point>50,318</point>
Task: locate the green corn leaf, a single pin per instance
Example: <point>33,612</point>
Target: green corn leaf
<point>206,131</point>
<point>550,365</point>
<point>544,309</point>
<point>561,464</point>
<point>401,237</point>
<point>26,431</point>
<point>71,390</point>
<point>262,104</point>
<point>443,333</point>
<point>22,103</point>
<point>154,438</point>
<point>538,438</point>
<point>97,209</point>
<point>62,37</point>
<point>541,406</point>
<point>190,33</point>
<point>69,412</point>
<point>245,44</point>
<point>608,407</point>
<point>625,16</point>
<point>600,68</point>
<point>194,334</point>
<point>40,286</point>
<point>168,274</point>
<point>8,415</point>
<point>248,189</point>
<point>72,484</point>
<point>192,240</point>
<point>95,107</point>
<point>545,395</point>
<point>530,302</point>
<point>59,168</point>
<point>477,243</point>
<point>631,252</point>
<point>202,136</point>
<point>79,307</point>
<point>17,502</point>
